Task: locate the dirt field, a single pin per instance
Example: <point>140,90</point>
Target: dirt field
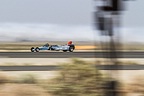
<point>126,77</point>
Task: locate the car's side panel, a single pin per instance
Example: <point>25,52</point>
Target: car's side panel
<point>65,47</point>
<point>43,48</point>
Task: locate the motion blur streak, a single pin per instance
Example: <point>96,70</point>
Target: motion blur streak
<point>107,19</point>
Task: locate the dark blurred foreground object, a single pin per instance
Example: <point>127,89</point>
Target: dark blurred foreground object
<point>113,5</point>
<point>110,88</point>
<point>104,24</point>
<point>110,8</point>
<point>107,18</point>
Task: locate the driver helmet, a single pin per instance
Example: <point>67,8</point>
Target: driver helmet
<point>69,42</point>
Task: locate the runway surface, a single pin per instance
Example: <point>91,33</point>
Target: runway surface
<point>56,68</point>
<point>69,55</point>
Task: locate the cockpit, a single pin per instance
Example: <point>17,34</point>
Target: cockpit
<point>46,45</point>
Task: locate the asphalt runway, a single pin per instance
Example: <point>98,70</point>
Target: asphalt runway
<point>56,68</point>
<point>69,55</point>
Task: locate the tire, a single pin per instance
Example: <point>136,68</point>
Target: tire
<point>37,49</point>
<point>71,49</point>
<point>64,50</point>
<point>32,49</point>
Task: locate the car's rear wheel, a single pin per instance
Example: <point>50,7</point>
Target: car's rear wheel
<point>32,49</point>
<point>37,49</point>
<point>71,49</point>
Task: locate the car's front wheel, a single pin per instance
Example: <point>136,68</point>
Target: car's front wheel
<point>32,49</point>
<point>37,49</point>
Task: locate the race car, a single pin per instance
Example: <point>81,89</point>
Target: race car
<point>68,47</point>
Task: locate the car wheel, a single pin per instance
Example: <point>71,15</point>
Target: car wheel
<point>37,49</point>
<point>64,50</point>
<point>32,49</point>
<point>71,49</point>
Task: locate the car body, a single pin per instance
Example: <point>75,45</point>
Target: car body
<point>63,48</point>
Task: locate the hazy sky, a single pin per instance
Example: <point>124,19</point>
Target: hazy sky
<point>46,11</point>
<point>24,16</point>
